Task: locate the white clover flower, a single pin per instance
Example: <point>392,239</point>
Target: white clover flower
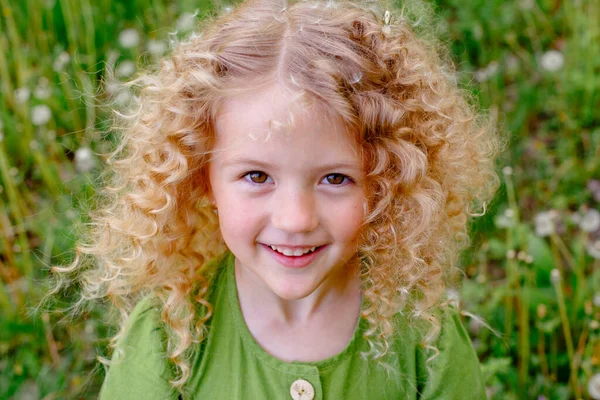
<point>84,159</point>
<point>61,61</point>
<point>186,22</point>
<point>590,222</point>
<point>129,38</point>
<point>40,115</point>
<point>22,95</point>
<point>125,69</point>
<point>507,170</point>
<point>156,47</point>
<point>552,60</point>
<point>593,249</point>
<point>594,386</point>
<point>544,224</point>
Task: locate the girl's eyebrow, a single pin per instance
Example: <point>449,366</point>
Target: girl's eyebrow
<point>234,162</point>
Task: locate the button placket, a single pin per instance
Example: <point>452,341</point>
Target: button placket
<point>302,390</point>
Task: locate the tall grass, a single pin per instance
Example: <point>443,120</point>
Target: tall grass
<point>534,268</point>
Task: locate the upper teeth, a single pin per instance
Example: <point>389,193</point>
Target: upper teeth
<point>292,252</point>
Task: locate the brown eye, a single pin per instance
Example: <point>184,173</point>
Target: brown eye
<point>336,179</point>
<point>257,177</point>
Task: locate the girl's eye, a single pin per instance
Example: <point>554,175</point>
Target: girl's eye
<point>336,179</point>
<point>256,177</point>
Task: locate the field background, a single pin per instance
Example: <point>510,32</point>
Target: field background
<point>534,267</point>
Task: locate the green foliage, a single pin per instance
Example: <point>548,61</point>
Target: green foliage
<point>534,271</point>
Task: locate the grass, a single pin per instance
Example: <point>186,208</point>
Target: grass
<point>534,272</point>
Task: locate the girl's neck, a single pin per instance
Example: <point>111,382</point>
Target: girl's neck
<point>339,293</point>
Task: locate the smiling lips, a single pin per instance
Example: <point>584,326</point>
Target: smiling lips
<point>294,257</point>
<point>295,251</point>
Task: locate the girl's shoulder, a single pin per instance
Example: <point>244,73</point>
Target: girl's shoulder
<point>140,366</point>
<point>137,368</point>
<point>447,367</point>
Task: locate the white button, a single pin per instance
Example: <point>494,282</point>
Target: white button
<point>302,390</point>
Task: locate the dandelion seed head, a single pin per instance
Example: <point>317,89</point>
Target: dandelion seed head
<point>555,276</point>
<point>593,249</point>
<point>594,187</point>
<point>510,254</point>
<point>453,296</point>
<point>512,63</point>
<point>61,61</point>
<point>594,386</point>
<point>42,90</point>
<point>590,221</point>
<point>22,95</point>
<point>40,115</point>
<point>84,159</point>
<point>186,21</point>
<point>507,171</point>
<point>544,224</point>
<point>529,259</point>
<point>129,38</point>
<point>123,98</point>
<point>503,222</point>
<point>112,86</point>
<point>526,4</point>
<point>552,60</point>
<point>156,47</point>
<point>125,69</point>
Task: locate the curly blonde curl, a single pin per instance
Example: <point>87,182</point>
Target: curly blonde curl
<point>428,157</point>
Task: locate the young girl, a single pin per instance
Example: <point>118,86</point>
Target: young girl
<point>287,202</point>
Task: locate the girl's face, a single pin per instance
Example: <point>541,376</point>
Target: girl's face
<point>284,190</point>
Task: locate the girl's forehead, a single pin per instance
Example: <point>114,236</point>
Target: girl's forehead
<point>274,109</point>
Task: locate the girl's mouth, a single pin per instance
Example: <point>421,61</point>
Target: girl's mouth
<point>294,258</point>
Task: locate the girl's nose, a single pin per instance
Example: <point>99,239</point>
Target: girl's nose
<point>295,212</point>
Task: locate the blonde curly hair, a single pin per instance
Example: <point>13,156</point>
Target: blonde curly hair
<point>428,157</point>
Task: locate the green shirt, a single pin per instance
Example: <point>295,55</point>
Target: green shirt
<point>230,364</point>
